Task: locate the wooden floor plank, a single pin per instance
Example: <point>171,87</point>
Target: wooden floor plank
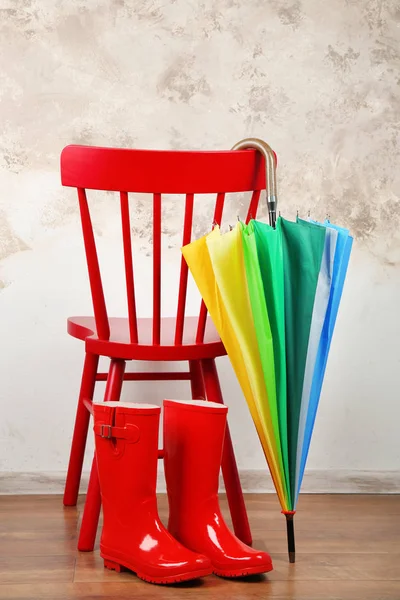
<point>341,539</point>
<point>350,567</point>
<point>348,547</point>
<point>31,569</point>
<point>209,588</point>
<point>34,543</point>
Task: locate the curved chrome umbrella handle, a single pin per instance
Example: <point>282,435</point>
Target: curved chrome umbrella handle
<point>270,179</point>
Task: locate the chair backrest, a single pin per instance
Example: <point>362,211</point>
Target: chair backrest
<point>156,173</point>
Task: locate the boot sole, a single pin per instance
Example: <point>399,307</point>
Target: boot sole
<point>232,573</point>
<point>110,563</point>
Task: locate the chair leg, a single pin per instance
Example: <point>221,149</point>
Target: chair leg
<point>229,468</point>
<point>91,511</point>
<point>80,431</point>
<point>197,381</point>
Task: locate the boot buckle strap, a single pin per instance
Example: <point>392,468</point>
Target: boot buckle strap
<point>103,429</point>
<point>130,433</point>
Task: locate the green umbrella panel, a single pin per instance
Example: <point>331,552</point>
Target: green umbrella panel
<point>302,246</point>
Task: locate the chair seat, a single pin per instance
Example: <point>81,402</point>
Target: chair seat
<point>119,345</point>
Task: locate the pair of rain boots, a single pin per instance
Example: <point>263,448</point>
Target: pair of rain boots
<point>198,541</point>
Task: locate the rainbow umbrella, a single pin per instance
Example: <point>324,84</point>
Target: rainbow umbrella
<point>273,293</point>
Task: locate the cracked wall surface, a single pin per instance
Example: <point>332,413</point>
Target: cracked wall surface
<point>319,82</point>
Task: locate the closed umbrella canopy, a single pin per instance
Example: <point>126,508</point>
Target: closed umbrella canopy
<point>273,293</point>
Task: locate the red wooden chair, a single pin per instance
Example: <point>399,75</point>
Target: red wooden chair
<point>182,338</point>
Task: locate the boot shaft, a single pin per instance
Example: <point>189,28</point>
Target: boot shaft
<point>193,443</point>
<point>126,439</point>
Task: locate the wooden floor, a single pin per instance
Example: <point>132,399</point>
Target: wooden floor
<point>348,547</point>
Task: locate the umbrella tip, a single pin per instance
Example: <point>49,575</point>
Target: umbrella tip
<point>290,534</point>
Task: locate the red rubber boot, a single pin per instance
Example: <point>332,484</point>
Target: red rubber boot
<point>133,536</point>
<point>193,441</point>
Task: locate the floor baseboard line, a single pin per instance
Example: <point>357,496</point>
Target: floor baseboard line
<point>253,481</point>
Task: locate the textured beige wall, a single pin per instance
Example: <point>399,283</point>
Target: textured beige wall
<point>318,80</point>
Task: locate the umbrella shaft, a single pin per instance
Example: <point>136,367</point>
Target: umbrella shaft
<point>271,201</point>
